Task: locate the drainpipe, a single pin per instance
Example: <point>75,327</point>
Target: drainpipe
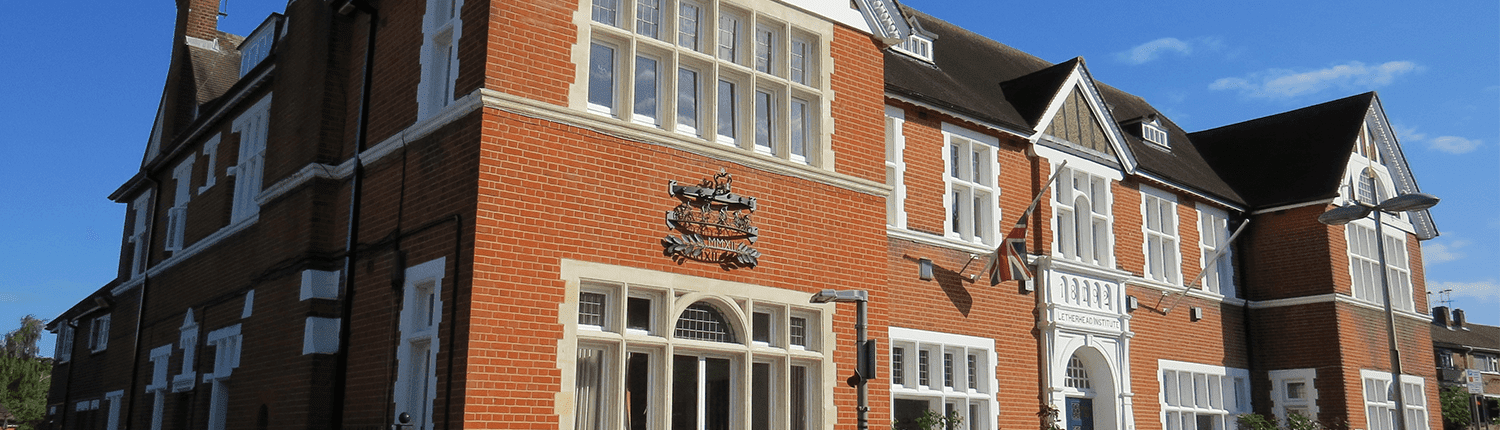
<point>140,305</point>
<point>351,244</point>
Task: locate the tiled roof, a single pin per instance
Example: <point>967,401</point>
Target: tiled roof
<point>1477,336</point>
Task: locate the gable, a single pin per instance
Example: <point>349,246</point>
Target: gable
<point>1077,124</point>
<point>1375,150</point>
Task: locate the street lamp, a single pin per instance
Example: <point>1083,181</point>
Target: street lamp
<point>864,349</point>
<point>1343,215</point>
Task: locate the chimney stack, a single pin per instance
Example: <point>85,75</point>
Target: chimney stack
<point>200,18</point>
<point>1440,316</point>
<point>1458,319</point>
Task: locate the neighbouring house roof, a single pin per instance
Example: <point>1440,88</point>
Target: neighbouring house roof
<point>215,71</point>
<point>1480,337</point>
<point>989,81</point>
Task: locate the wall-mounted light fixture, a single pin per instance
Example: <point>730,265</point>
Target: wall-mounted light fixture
<point>1132,303</point>
<point>1196,314</point>
<point>924,269</point>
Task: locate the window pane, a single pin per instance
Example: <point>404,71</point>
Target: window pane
<point>638,313</point>
<point>648,17</point>
<point>687,25</point>
<point>765,111</point>
<point>701,321</point>
<point>591,390</point>
<point>948,370</point>
<point>798,61</point>
<point>591,308</point>
<point>765,41</point>
<point>637,390</point>
<point>605,11</point>
<point>762,330</point>
<point>798,331</point>
<point>729,30</point>
<point>799,129</point>
<point>602,77</point>
<point>645,89</point>
<point>799,399</point>
<point>898,366</point>
<point>727,114</point>
<point>760,396</point>
<point>687,100</point>
<point>922,367</point>
<point>685,392</point>
<point>973,372</point>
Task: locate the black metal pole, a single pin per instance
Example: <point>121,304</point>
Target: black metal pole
<point>859,328</point>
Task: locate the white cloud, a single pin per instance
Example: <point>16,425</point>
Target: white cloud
<point>1286,84</point>
<point>8,297</point>
<point>1434,253</point>
<point>1153,50</point>
<point>1449,144</point>
<point>1454,144</point>
<point>1482,291</point>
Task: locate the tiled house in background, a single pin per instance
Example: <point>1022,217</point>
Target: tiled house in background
<point>616,214</point>
<point>1462,348</point>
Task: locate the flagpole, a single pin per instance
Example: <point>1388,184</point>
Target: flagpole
<point>1211,263</point>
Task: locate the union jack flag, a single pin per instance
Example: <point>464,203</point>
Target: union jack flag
<point>1012,252</point>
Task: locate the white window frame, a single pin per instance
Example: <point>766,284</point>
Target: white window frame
<point>1486,363</point>
<point>1364,262</point>
<point>719,51</point>
<point>227,343</point>
<point>112,420</point>
<point>1152,132</point>
<point>600,370</point>
<point>99,333</point>
<point>442,25</point>
<point>1069,241</point>
<point>895,166</point>
<point>1213,235</point>
<point>420,319</point>
<point>210,150</point>
<point>1216,390</point>
<point>977,222</point>
<point>182,176</point>
<point>1162,245</point>
<point>159,386</point>
<point>1380,406</point>
<point>1284,400</point>
<point>64,350</point>
<point>253,126</point>
<point>917,46</point>
<point>981,403</point>
<point>140,250</point>
<point>187,340</point>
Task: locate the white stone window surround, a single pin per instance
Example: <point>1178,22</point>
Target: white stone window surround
<point>211,151</point>
<point>227,343</point>
<point>1162,245</point>
<point>1213,234</point>
<point>1287,396</point>
<point>1364,262</point>
<point>182,177</point>
<point>614,345</point>
<point>895,166</point>
<point>253,126</point>
<point>420,319</point>
<point>99,333</point>
<point>188,341</point>
<point>112,421</point>
<point>1078,167</point>
<point>442,26</point>
<point>1214,393</point>
<point>1380,405</point>
<point>139,248</point>
<point>971,199</point>
<point>610,53</point>
<point>939,393</point>
<point>159,386</point>
<point>64,350</point>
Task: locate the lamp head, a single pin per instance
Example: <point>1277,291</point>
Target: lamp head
<point>1408,202</point>
<point>1343,214</point>
<point>841,296</point>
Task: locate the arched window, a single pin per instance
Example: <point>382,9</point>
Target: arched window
<point>1078,376</point>
<point>702,321</point>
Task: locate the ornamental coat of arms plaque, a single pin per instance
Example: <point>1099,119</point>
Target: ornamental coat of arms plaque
<point>711,224</point>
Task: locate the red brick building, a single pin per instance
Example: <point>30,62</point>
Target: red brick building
<point>616,214</point>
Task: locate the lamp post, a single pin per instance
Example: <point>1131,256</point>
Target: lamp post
<point>1343,215</point>
<point>864,349</point>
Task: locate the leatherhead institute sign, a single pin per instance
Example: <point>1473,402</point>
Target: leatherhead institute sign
<point>713,224</point>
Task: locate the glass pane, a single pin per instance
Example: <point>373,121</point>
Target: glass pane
<point>716,399</point>
<point>602,76</point>
<point>799,399</point>
<point>687,99</point>
<point>798,61</point>
<point>648,17</point>
<point>685,392</point>
<point>701,321</point>
<point>591,308</point>
<point>727,114</point>
<point>765,112</point>
<point>591,391</point>
<point>922,367</point>
<point>762,329</point>
<point>638,313</point>
<point>799,127</point>
<point>687,25</point>
<point>948,370</point>
<point>760,396</point>
<point>798,331</point>
<point>605,11</point>
<point>729,30</point>
<point>898,366</point>
<point>973,372</point>
<point>764,43</point>
<point>637,390</point>
<point>645,88</point>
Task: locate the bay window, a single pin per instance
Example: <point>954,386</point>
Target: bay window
<point>718,363</point>
<point>742,79</point>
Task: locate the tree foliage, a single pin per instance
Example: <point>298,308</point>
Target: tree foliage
<point>24,377</point>
<point>1455,400</point>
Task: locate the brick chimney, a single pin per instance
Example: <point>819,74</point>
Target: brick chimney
<point>1440,316</point>
<point>1458,319</point>
<point>199,18</point>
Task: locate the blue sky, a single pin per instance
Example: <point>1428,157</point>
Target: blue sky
<point>81,84</point>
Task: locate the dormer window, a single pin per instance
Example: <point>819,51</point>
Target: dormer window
<point>917,46</point>
<point>1152,131</point>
